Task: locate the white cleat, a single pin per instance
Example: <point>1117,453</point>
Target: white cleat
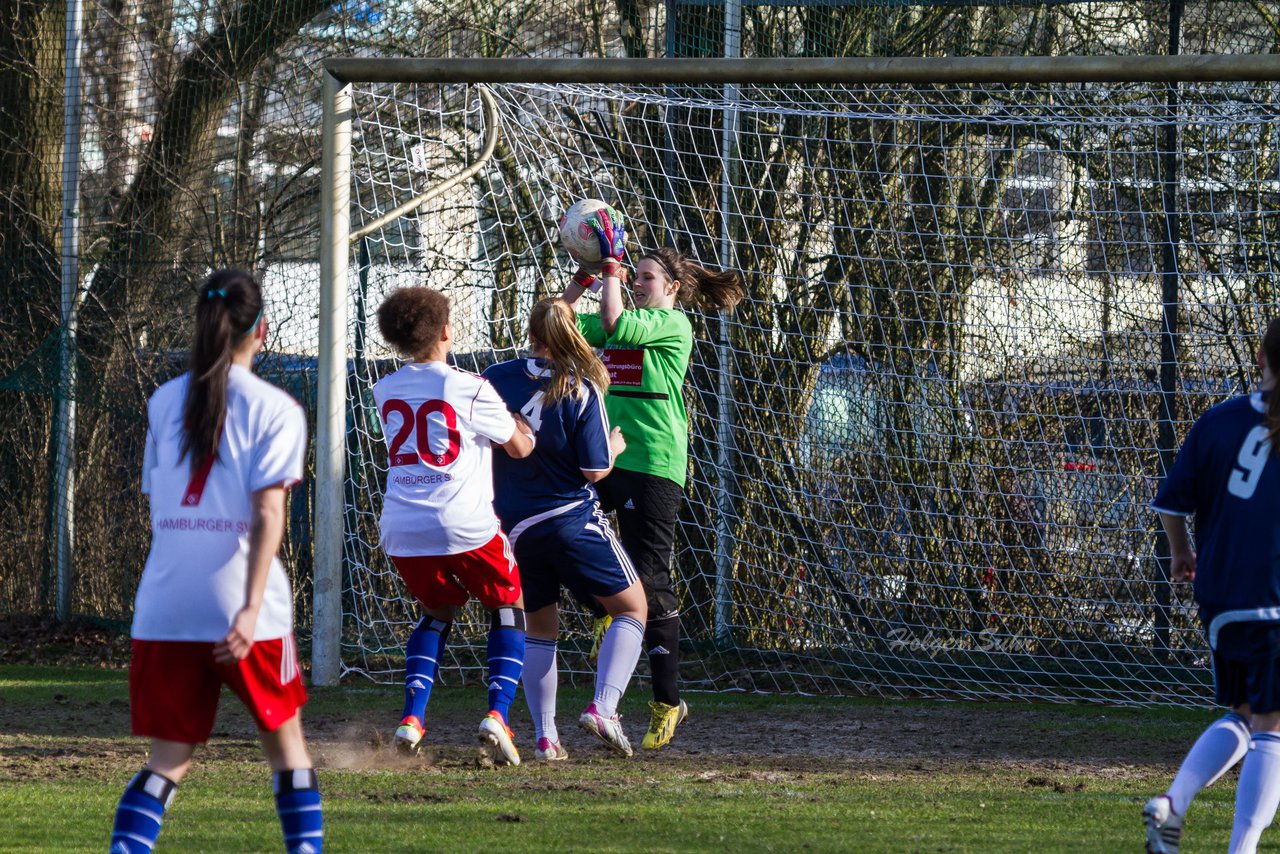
<point>550,751</point>
<point>1164,828</point>
<point>498,739</point>
<point>408,737</point>
<point>608,730</point>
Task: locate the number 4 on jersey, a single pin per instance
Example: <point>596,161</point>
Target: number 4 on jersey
<point>532,411</point>
<point>1249,463</point>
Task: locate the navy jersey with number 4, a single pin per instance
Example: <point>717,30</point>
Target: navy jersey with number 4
<point>572,435</point>
<point>1228,478</point>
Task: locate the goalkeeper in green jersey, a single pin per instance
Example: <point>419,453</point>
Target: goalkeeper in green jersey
<point>646,350</point>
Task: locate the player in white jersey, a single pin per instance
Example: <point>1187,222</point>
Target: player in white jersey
<point>438,524</point>
<point>213,606</point>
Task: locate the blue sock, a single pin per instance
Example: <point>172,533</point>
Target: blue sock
<point>421,656</point>
<point>298,805</point>
<point>141,812</point>
<point>506,658</point>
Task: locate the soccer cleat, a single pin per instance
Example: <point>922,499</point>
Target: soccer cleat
<point>499,740</point>
<point>409,735</point>
<point>608,730</point>
<point>549,751</point>
<point>1164,828</point>
<point>663,723</point>
<point>598,630</point>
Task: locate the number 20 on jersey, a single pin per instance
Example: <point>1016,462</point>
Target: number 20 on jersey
<point>420,422</point>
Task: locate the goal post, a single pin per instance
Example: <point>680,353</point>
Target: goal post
<point>941,374</point>
<point>331,397</point>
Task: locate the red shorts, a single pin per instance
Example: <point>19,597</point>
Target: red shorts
<point>174,687</point>
<point>489,573</point>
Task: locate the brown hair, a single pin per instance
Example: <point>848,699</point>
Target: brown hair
<point>228,307</point>
<point>553,324</point>
<point>719,289</point>
<point>1271,352</point>
<point>412,320</point>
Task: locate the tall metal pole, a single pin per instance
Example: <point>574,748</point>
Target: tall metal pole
<point>725,402</point>
<point>1166,437</point>
<point>672,224</point>
<point>331,403</point>
<point>65,416</point>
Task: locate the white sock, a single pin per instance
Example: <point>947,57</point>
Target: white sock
<point>540,680</point>
<point>1218,748</point>
<point>619,652</point>
<point>1258,792</point>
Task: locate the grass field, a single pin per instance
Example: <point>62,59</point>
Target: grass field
<point>747,773</point>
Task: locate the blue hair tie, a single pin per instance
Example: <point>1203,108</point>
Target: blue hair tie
<point>254,325</point>
<point>215,292</point>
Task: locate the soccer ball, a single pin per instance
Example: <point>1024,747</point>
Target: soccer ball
<point>576,235</point>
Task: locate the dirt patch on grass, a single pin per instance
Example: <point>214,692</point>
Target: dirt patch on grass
<point>785,743</point>
<point>768,742</point>
<point>924,731</point>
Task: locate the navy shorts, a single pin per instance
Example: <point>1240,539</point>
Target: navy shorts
<point>1246,666</point>
<point>580,553</point>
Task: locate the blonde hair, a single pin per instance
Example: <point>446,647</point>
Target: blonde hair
<point>553,324</point>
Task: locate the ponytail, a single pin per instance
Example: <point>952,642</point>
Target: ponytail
<point>228,308</point>
<point>717,289</point>
<point>553,324</point>
<point>1271,352</point>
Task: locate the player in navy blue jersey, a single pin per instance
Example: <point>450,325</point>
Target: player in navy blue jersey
<point>1227,476</point>
<point>549,508</point>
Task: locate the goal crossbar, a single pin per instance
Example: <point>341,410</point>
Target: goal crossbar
<point>906,70</point>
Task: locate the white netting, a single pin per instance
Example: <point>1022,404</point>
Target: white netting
<point>945,386</point>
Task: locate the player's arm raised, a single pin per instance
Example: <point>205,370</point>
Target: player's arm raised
<point>612,235</point>
<point>266,531</point>
<point>583,280</point>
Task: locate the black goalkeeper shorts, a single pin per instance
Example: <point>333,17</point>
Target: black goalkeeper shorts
<point>647,506</point>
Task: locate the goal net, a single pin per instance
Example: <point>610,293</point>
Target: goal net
<point>980,319</point>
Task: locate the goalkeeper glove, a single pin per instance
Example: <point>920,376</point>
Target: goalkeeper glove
<point>612,234</point>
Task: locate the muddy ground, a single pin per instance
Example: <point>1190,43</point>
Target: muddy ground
<point>351,730</point>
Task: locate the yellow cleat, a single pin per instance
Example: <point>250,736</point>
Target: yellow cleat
<point>598,629</point>
<point>663,723</point>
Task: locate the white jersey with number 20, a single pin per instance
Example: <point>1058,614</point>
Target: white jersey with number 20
<point>439,423</point>
<point>194,581</point>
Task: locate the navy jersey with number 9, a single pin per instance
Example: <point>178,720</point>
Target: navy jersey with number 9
<point>1228,478</point>
<point>573,435</point>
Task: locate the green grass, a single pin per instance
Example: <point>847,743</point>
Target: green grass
<point>1049,779</point>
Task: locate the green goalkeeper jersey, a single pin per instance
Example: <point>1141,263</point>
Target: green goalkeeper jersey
<point>647,357</point>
